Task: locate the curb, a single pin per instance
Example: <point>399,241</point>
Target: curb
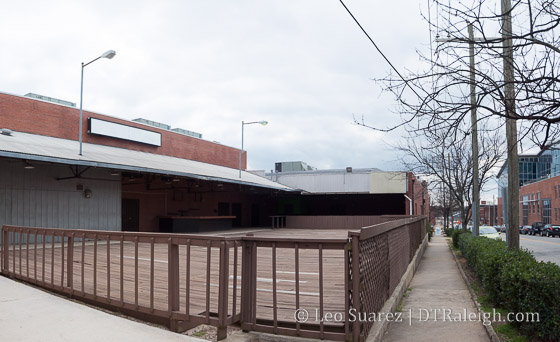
<point>489,330</point>
<point>379,329</point>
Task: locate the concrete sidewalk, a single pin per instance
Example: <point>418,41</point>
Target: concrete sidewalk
<point>439,307</point>
<point>29,314</point>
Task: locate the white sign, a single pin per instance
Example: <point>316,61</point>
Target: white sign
<point>120,131</point>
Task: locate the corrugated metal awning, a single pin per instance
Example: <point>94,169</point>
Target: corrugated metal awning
<point>62,151</point>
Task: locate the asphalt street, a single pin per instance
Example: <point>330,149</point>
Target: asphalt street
<point>543,248</point>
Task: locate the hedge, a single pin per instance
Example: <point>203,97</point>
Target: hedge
<point>516,282</point>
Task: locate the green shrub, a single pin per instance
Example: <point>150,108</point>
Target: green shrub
<point>485,257</point>
<point>516,282</point>
<point>513,278</point>
<point>455,237</point>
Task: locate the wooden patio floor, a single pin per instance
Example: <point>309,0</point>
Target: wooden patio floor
<point>28,262</point>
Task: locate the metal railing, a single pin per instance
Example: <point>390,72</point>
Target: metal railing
<point>260,283</point>
<point>338,221</point>
<point>310,290</point>
<point>379,257</point>
<point>136,273</point>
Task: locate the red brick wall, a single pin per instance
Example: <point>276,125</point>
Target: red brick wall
<point>487,214</point>
<point>38,117</point>
<point>419,186</point>
<point>546,189</point>
<point>500,211</point>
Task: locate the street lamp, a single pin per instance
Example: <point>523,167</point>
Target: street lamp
<point>107,54</point>
<point>264,123</point>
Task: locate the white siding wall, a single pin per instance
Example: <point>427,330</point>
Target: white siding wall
<point>388,183</point>
<point>35,198</point>
<point>327,182</point>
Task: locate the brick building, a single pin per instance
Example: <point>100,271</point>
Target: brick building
<point>540,202</point>
<point>539,177</point>
<point>488,213</point>
<point>144,176</point>
<point>130,175</point>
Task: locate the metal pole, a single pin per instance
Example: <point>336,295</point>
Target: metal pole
<point>450,191</point>
<point>81,98</point>
<point>108,54</point>
<point>410,205</point>
<point>474,129</point>
<point>241,152</point>
<point>511,129</point>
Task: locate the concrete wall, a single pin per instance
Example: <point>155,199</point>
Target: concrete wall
<point>35,198</point>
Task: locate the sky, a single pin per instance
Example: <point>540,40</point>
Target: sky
<point>206,66</point>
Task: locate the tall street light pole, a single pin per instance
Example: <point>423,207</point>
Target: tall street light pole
<point>264,123</point>
<point>108,54</point>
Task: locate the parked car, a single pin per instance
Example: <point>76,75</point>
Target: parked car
<point>524,229</point>
<point>550,230</point>
<point>488,232</point>
<point>536,228</point>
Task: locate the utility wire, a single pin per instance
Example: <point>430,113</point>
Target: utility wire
<point>382,54</point>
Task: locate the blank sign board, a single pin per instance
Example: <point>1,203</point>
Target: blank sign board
<point>120,131</point>
<point>388,183</point>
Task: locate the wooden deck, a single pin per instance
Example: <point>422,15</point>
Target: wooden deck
<point>106,282</point>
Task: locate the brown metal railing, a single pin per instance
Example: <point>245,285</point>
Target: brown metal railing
<point>338,221</point>
<point>257,282</point>
<point>378,259</point>
<point>310,290</point>
<point>137,273</point>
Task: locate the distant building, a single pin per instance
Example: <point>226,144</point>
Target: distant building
<point>488,213</point>
<point>540,202</point>
<point>538,177</point>
<point>293,166</point>
<point>352,192</point>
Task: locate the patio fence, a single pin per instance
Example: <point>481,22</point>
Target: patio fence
<point>260,283</point>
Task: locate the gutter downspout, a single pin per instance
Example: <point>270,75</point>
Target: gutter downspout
<point>408,198</point>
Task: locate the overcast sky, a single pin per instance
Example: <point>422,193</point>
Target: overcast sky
<point>205,66</point>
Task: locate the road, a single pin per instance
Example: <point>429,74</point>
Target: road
<point>543,248</point>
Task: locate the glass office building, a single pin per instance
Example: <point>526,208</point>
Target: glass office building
<point>532,168</point>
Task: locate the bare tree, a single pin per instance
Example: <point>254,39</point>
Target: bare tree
<point>516,77</point>
<point>441,97</point>
<point>442,205</point>
<point>449,162</point>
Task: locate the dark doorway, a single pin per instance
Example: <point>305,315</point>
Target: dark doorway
<point>289,209</point>
<point>236,211</point>
<point>130,215</point>
<point>223,209</point>
<point>255,215</point>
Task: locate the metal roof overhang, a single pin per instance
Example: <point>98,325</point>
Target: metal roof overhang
<point>62,151</point>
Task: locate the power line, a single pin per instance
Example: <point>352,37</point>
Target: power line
<point>382,54</point>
